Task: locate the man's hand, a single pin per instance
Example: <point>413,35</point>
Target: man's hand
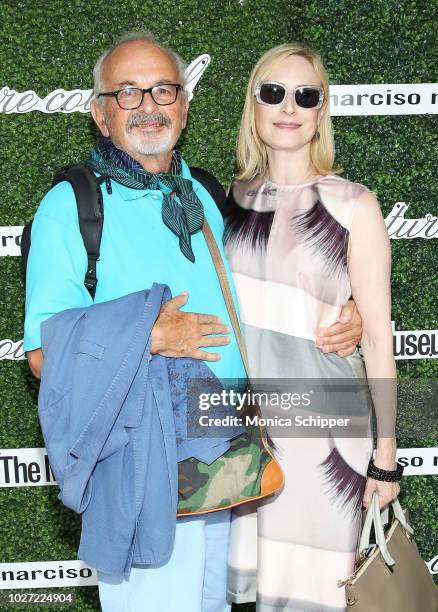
<point>180,334</point>
<point>343,336</point>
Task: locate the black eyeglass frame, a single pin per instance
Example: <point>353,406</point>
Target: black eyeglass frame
<point>149,90</point>
<point>287,92</point>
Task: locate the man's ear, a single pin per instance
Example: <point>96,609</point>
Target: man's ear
<point>185,113</point>
<point>99,117</point>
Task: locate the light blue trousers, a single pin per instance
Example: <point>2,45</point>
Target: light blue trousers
<point>193,580</point>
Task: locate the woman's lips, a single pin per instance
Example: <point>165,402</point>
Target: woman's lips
<point>287,126</point>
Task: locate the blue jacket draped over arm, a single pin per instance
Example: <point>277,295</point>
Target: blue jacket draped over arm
<point>115,426</point>
<point>106,415</point>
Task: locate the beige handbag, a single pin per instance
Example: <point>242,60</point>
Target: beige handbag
<point>390,575</point>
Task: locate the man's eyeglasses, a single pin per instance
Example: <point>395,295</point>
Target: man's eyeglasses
<point>130,98</point>
<point>272,93</point>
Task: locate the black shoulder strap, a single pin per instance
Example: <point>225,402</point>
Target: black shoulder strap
<point>212,185</point>
<point>89,201</point>
<point>25,245</point>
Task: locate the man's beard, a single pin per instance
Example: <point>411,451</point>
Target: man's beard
<point>158,144</point>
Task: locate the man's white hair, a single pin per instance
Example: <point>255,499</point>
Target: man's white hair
<point>145,36</point>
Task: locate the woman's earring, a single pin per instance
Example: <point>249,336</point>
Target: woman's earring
<point>317,135</point>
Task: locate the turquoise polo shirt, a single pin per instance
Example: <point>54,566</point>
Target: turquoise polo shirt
<point>137,249</point>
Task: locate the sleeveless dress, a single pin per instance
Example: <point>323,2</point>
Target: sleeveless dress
<point>288,251</point>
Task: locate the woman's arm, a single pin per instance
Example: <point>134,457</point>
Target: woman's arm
<point>369,265</point>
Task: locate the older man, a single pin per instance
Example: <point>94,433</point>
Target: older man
<point>153,214</point>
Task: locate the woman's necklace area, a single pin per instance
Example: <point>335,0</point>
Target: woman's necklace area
<point>308,177</point>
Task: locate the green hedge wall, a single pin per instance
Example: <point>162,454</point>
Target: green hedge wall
<point>53,44</point>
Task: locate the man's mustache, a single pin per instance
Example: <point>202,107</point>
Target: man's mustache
<point>142,118</point>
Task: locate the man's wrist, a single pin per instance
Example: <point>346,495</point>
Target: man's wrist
<point>156,340</point>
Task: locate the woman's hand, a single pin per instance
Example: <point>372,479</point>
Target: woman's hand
<point>387,492</point>
<point>385,460</point>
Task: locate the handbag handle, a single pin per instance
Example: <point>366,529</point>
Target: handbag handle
<point>226,291</point>
<point>373,515</point>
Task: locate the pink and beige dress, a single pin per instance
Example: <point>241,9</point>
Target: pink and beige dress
<point>288,251</point>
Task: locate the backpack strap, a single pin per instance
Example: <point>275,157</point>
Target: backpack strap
<point>25,245</point>
<point>213,187</point>
<point>89,201</point>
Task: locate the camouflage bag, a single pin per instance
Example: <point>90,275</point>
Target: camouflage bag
<point>248,470</point>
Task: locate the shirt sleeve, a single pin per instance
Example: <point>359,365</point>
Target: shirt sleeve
<point>57,263</point>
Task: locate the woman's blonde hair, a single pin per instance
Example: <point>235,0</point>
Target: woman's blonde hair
<point>251,152</point>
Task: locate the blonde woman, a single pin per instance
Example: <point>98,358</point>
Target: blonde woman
<point>301,240</point>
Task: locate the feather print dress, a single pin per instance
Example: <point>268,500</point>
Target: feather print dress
<point>288,251</point>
